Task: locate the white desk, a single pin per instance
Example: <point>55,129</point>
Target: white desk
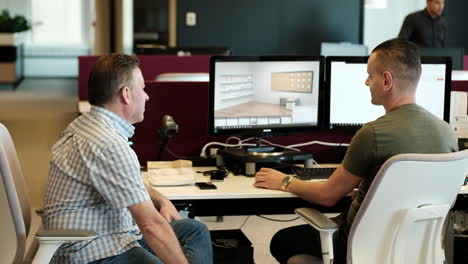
<point>233,187</point>
<point>236,195</point>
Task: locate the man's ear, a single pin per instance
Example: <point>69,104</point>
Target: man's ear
<point>124,95</point>
<point>388,80</point>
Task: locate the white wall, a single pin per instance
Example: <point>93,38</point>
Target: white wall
<point>17,7</point>
<point>381,24</point>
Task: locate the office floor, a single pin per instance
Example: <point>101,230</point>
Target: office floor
<point>39,109</point>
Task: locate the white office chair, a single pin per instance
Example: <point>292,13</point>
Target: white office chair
<point>15,217</point>
<point>402,216</point>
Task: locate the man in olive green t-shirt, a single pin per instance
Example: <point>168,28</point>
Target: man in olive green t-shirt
<point>394,69</point>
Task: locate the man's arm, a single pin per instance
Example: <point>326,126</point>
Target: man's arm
<point>326,193</point>
<point>406,29</point>
<point>163,205</point>
<point>157,232</point>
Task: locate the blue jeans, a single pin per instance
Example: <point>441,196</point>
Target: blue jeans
<point>194,237</point>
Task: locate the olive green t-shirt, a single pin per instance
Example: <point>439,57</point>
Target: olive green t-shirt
<point>406,129</point>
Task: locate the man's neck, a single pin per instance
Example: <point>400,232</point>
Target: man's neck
<point>399,102</point>
<point>432,15</point>
<point>115,109</point>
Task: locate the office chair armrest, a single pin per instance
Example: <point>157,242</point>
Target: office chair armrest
<point>316,219</point>
<point>326,228</point>
<point>51,240</point>
<point>64,235</point>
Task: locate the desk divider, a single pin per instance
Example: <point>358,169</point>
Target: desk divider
<point>187,103</point>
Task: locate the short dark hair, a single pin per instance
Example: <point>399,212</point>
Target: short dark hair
<point>110,73</point>
<point>402,58</point>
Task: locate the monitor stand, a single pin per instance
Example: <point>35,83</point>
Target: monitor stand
<point>247,161</point>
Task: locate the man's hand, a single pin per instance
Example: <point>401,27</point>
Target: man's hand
<point>269,178</point>
<point>163,205</point>
<point>168,210</point>
<point>157,232</point>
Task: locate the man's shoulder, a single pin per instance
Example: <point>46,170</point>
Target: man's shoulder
<point>366,132</point>
<point>94,130</point>
<point>415,16</point>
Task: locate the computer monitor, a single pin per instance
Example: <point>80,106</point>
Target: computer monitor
<point>349,100</point>
<point>265,95</point>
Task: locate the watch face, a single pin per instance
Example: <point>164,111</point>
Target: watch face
<point>285,182</point>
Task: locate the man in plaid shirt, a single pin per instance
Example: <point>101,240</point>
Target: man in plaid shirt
<point>95,182</point>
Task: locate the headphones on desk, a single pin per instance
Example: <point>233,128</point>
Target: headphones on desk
<point>217,175</point>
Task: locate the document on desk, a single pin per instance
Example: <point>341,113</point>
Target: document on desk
<point>459,113</point>
<point>171,176</point>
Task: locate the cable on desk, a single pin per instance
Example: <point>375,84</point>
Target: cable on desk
<point>242,143</point>
<point>245,221</point>
<point>278,220</point>
<point>203,151</point>
<point>320,143</point>
<point>236,138</point>
<point>278,145</point>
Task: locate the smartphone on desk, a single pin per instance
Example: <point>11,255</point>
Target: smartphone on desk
<point>205,185</point>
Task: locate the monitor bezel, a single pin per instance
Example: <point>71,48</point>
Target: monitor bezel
<point>363,59</point>
<point>260,132</point>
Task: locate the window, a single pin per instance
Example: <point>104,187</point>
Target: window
<point>58,22</point>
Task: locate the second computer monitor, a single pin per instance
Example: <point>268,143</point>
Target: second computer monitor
<point>349,99</point>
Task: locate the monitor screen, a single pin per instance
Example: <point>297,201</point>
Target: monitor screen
<point>264,95</point>
<point>349,99</point>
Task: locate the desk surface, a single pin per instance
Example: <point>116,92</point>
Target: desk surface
<point>236,195</point>
<point>233,187</point>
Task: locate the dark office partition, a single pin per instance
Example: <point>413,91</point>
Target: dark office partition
<point>456,13</point>
<point>253,27</point>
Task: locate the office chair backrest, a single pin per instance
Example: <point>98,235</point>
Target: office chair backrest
<point>15,212</point>
<point>401,218</point>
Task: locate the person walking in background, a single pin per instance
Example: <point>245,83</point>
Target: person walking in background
<point>427,28</point>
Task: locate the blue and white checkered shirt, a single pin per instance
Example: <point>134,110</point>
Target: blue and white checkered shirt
<point>94,176</point>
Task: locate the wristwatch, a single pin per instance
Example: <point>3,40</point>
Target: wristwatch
<point>285,182</point>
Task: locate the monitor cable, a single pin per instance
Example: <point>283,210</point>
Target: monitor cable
<point>319,143</point>
<point>241,143</point>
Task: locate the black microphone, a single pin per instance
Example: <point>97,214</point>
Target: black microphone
<point>168,129</point>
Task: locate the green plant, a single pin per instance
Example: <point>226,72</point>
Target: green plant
<point>12,24</point>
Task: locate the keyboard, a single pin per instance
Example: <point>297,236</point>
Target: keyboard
<point>316,173</point>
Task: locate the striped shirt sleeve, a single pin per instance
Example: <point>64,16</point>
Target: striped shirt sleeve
<point>117,178</point>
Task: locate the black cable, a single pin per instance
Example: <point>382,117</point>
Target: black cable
<point>278,220</point>
<point>245,221</point>
<point>175,155</point>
